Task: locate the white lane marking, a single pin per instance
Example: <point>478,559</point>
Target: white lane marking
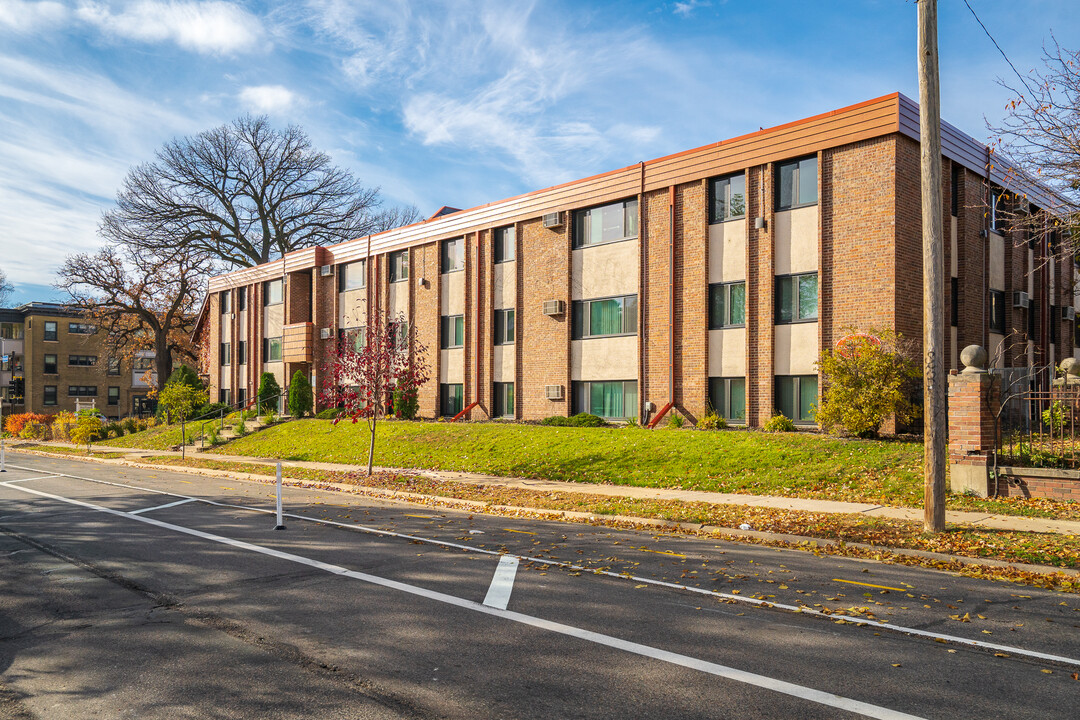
<point>498,594</point>
<point>749,678</point>
<point>801,609</point>
<point>40,477</point>
<point>162,507</point>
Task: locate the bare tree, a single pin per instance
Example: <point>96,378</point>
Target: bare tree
<point>5,287</point>
<point>244,193</point>
<point>142,300</point>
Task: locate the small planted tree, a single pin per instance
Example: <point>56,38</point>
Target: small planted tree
<point>86,429</point>
<point>300,399</point>
<point>363,381</point>
<point>269,390</point>
<point>867,378</point>
<point>180,401</point>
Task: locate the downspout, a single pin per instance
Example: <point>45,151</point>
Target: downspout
<point>671,310</point>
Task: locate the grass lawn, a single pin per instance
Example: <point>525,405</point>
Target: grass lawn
<point>160,437</point>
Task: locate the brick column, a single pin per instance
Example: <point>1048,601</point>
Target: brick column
<point>974,397</point>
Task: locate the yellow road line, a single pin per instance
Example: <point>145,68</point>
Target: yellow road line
<point>520,532</point>
<point>425,517</point>
<point>661,552</point>
<point>883,587</point>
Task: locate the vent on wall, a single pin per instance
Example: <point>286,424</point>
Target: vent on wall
<point>326,333</point>
<point>326,270</point>
<point>554,307</point>
<point>1021,299</point>
<point>553,219</point>
<point>553,392</point>
<point>1070,313</point>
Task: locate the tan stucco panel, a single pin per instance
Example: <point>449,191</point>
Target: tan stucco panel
<point>997,262</point>
<point>278,371</point>
<point>352,308</point>
<point>398,298</point>
<point>604,358</point>
<point>605,270</point>
<point>274,320</point>
<point>727,352</point>
<point>226,328</point>
<point>504,285</point>
<point>796,349</point>
<point>727,251</point>
<point>502,367</point>
<point>452,365</point>
<point>796,240</point>
<point>453,294</point>
<point>242,323</point>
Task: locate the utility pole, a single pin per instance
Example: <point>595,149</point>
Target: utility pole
<point>933,272</point>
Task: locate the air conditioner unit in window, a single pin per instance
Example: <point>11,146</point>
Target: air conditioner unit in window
<point>553,392</point>
<point>554,307</point>
<point>1021,299</point>
<point>326,270</point>
<point>326,333</point>
<point>1070,313</point>
<point>553,219</point>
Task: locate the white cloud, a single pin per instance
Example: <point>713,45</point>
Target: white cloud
<point>686,8</point>
<point>268,98</point>
<point>211,27</point>
<point>29,16</point>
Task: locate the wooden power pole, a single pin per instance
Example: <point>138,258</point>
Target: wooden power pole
<point>933,272</point>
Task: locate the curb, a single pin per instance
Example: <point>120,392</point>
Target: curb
<point>795,542</point>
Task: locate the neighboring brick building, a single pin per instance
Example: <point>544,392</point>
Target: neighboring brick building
<point>712,276</point>
<point>56,358</point>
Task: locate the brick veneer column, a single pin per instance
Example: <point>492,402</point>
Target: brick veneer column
<point>973,401</point>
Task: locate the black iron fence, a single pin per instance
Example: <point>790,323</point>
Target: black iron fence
<point>1038,418</point>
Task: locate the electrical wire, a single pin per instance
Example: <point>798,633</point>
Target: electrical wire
<point>1015,71</point>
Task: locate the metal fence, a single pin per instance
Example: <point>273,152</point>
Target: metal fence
<point>1038,418</point>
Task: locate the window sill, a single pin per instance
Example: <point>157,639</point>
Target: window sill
<point>796,322</point>
<point>273,304</point>
<point>605,337</point>
<point>728,327</point>
<point>796,207</point>
<point>452,272</point>
<point>727,220</point>
<point>503,262</point>
<point>399,280</point>
<point>605,242</point>
<point>504,344</point>
<point>452,347</point>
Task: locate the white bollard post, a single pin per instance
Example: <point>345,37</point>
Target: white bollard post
<point>280,524</point>
<point>2,460</point>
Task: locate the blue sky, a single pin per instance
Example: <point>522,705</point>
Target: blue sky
<point>450,103</point>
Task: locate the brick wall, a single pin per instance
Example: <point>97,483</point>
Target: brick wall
<point>424,261</point>
<point>760,278</point>
<point>544,274</point>
<point>691,299</point>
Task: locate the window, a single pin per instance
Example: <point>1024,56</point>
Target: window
<point>226,354</point>
<point>796,183</point>
<point>81,328</point>
<point>954,186</point>
<point>226,302</point>
<point>50,330</point>
<point>352,276</point>
<point>608,316</point>
<point>451,396</point>
<point>505,249</point>
<point>727,305</point>
<point>225,396</point>
<point>504,327</point>
<point>727,395</point>
<point>241,298</point>
<point>613,399</point>
<point>1032,314</point>
<point>997,313</point>
<point>727,198</point>
<point>796,298</point>
<point>273,292</point>
<point>241,397</point>
<point>955,300</point>
<point>113,367</point>
<point>11,331</point>
<point>50,395</point>
<point>114,396</point>
<point>401,331</point>
<point>796,396</point>
<point>503,401</point>
<point>610,223</point>
<point>82,390</point>
<point>355,338</point>
<point>49,366</point>
<point>142,364</point>
<point>453,331</point>
<point>1054,325</point>
<point>241,352</point>
<point>271,349</point>
<point>82,360</point>
<point>399,265</point>
<point>453,255</point>
<point>998,200</point>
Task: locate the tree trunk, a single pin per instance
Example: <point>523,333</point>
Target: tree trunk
<point>162,358</point>
<point>371,448</point>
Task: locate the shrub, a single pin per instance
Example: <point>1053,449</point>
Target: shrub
<point>711,421</point>
<point>329,414</point>
<point>212,435</point>
<point>406,403</point>
<point>579,420</point>
<point>240,428</point>
<point>14,424</point>
<point>34,430</point>
<point>269,390</point>
<point>211,410</point>
<point>131,425</point>
<point>867,379</point>
<point>1054,417</point>
<point>88,427</point>
<point>269,418</point>
<point>779,423</point>
<point>114,429</point>
<point>675,420</point>
<point>62,425</point>
<point>300,399</point>
<point>632,422</point>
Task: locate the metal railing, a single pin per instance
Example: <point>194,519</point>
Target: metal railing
<point>1038,418</point>
<point>220,414</point>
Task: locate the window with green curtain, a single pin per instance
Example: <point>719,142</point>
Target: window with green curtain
<point>784,300</point>
<point>737,301</point>
<point>796,298</point>
<point>737,399</point>
<point>605,317</point>
<point>807,397</point>
<point>608,316</point>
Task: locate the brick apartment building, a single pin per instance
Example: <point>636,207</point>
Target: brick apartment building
<point>713,276</point>
<point>55,358</point>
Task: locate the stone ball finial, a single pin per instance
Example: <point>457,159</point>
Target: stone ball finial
<point>1070,366</point>
<point>974,358</point>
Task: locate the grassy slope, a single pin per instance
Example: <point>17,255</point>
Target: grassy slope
<point>161,437</point>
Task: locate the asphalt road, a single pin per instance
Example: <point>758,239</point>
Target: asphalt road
<point>146,594</point>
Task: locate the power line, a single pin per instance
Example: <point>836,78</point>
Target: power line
<point>1015,71</point>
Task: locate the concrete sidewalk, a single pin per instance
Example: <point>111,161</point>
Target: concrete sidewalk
<point>979,519</point>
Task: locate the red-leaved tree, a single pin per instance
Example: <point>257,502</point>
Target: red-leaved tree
<point>368,369</point>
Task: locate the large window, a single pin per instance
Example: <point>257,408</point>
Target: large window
<point>272,349</point>
<point>274,292</point>
<point>241,352</point>
<point>606,316</point>
<point>998,209</point>
<point>399,265</point>
<point>453,331</point>
<point>453,255</point>
<point>11,331</point>
<point>504,249</point>
<point>50,395</point>
<point>114,396</point>
<point>796,298</point>
<point>77,328</point>
<point>241,298</point>
<point>609,223</point>
<point>82,360</point>
<point>113,366</point>
<point>609,399</point>
<point>49,366</point>
<point>82,390</point>
<point>727,305</point>
<point>144,364</point>
<point>226,301</point>
<point>727,395</point>
<point>503,401</point>
<point>504,327</point>
<point>50,330</point>
<point>796,183</point>
<point>451,396</point>
<point>727,198</point>
<point>226,354</point>
<point>997,313</point>
<point>796,396</point>
<point>352,276</point>
<point>355,338</point>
